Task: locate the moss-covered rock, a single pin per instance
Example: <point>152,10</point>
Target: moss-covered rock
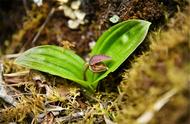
<point>164,68</point>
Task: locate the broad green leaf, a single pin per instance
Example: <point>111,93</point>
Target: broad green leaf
<point>56,61</point>
<point>118,42</point>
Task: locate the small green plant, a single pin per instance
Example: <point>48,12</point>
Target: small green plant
<point>110,51</point>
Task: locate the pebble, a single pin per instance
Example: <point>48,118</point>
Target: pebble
<point>75,4</point>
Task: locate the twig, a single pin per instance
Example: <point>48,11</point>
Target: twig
<point>3,92</point>
<point>21,73</point>
<point>25,6</point>
<point>106,118</point>
<point>17,84</point>
<point>43,25</point>
<point>39,31</point>
<point>10,56</point>
<point>71,118</point>
<point>54,109</point>
<point>148,115</point>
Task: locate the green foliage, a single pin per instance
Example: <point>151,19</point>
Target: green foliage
<point>118,42</point>
<point>54,60</point>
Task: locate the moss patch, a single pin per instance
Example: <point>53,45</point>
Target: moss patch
<point>166,66</point>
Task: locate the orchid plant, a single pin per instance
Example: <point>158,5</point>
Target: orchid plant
<point>110,51</point>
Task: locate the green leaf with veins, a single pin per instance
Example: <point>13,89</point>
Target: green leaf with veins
<point>118,42</point>
<point>56,61</point>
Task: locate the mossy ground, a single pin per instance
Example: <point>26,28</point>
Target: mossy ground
<point>159,65</point>
<point>163,68</point>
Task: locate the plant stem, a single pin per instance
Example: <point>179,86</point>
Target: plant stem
<point>85,70</point>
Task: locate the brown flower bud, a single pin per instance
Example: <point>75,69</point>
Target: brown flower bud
<point>96,63</point>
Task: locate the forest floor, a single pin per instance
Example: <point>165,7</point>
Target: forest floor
<point>151,86</point>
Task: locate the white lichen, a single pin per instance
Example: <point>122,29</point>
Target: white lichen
<point>75,4</point>
<point>68,12</point>
<point>92,44</point>
<point>73,24</point>
<point>38,2</point>
<point>114,19</point>
<point>80,15</point>
<point>73,12</point>
<point>63,1</point>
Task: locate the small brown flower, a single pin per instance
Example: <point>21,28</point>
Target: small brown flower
<point>96,63</point>
<point>99,67</point>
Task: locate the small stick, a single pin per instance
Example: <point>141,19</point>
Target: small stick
<point>21,73</point>
<point>10,56</point>
<point>40,30</point>
<point>72,117</point>
<point>25,6</point>
<point>43,25</point>
<point>150,113</point>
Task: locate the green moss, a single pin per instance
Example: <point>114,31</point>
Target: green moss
<point>163,68</point>
<point>28,105</point>
<point>30,23</point>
